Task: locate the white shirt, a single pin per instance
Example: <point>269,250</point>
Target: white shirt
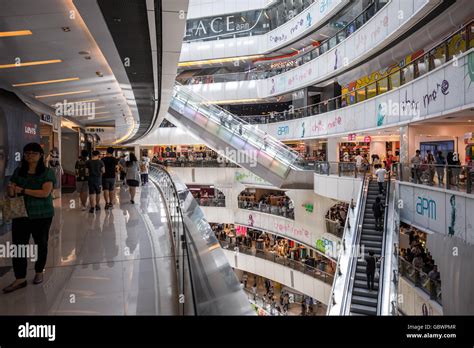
<point>359,160</point>
<point>380,173</point>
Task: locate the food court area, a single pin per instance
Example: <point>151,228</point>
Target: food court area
<point>207,195</point>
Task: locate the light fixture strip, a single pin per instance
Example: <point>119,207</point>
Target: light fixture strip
<point>23,64</point>
<point>60,94</point>
<point>45,82</point>
<point>15,33</point>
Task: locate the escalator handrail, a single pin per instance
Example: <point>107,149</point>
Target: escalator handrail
<point>163,170</point>
<point>384,238</point>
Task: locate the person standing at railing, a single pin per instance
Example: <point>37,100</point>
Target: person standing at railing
<point>416,167</point>
<point>430,161</point>
<point>358,162</point>
<point>440,164</point>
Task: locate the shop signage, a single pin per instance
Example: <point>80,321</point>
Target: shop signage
<point>47,119</point>
<point>469,138</point>
<point>351,137</point>
<point>218,26</point>
<point>326,246</point>
<point>367,139</point>
<point>30,129</point>
<point>426,207</point>
<point>283,130</point>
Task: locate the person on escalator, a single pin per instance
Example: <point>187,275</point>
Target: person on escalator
<point>370,270</point>
<point>377,209</point>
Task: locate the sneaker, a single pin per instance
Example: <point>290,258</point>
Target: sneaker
<point>97,207</point>
<point>91,210</point>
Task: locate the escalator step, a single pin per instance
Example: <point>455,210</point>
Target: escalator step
<point>363,284</point>
<point>363,291</point>
<point>366,301</point>
<point>369,310</point>
<point>371,237</point>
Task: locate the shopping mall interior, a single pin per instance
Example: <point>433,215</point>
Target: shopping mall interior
<point>302,158</point>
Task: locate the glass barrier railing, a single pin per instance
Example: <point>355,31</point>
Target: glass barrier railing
<point>434,58</point>
<point>210,202</point>
<point>346,169</point>
<point>205,163</point>
<point>282,211</point>
<point>206,283</point>
<point>325,46</point>
<point>184,99</point>
<point>284,261</point>
<point>430,286</point>
<point>451,177</point>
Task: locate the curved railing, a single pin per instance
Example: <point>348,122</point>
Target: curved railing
<point>284,261</point>
<point>281,211</point>
<point>434,58</point>
<point>207,284</point>
<point>421,280</point>
<point>325,46</point>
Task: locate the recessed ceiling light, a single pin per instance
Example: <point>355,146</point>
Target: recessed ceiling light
<point>66,29</point>
<point>15,33</point>
<point>60,94</point>
<point>98,73</point>
<point>45,82</point>
<point>22,64</point>
<point>117,19</point>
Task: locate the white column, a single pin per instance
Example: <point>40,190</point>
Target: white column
<point>333,149</point>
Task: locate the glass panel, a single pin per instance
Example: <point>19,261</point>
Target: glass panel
<point>371,90</point>
<point>407,74</point>
<point>360,94</point>
<point>423,65</point>
<point>395,80</point>
<point>457,44</point>
<point>382,85</point>
<point>437,57</point>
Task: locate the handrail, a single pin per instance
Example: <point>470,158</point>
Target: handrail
<point>181,235</point>
<point>345,267</point>
<point>323,47</point>
<point>384,247</point>
<point>326,277</point>
<point>344,100</point>
<point>213,287</point>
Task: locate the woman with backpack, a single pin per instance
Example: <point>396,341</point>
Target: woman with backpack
<point>132,175</point>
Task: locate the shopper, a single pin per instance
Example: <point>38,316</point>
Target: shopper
<point>144,168</point>
<point>377,209</point>
<point>416,167</point>
<point>358,159</point>
<point>96,168</point>
<point>370,270</point>
<point>133,176</point>
<point>108,178</point>
<point>82,177</point>
<point>430,161</point>
<point>254,290</point>
<point>122,163</point>
<point>35,182</point>
<point>440,165</point>
<point>380,174</point>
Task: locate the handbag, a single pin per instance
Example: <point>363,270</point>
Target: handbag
<point>14,208</point>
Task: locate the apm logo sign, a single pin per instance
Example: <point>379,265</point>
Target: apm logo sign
<point>426,206</point>
<point>283,130</point>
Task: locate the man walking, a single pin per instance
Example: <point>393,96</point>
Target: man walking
<point>96,168</point>
<point>380,174</point>
<point>370,270</point>
<point>378,213</point>
<point>108,178</point>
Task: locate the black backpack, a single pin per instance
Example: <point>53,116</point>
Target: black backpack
<point>82,172</point>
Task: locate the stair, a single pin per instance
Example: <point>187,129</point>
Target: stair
<point>364,301</point>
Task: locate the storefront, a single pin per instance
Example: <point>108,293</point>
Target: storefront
<point>384,146</point>
<point>310,149</point>
<point>49,132</point>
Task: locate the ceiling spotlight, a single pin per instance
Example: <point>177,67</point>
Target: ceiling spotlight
<point>66,29</point>
<point>98,73</point>
<point>117,19</point>
<point>87,57</point>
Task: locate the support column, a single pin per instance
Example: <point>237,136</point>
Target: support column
<point>333,149</point>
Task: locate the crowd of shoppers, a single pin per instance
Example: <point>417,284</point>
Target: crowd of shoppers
<point>272,203</point>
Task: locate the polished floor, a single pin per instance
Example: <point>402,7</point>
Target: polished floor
<point>116,262</point>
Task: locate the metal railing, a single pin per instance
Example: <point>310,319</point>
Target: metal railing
<point>168,162</point>
<point>434,58</point>
<point>421,280</point>
<point>284,261</point>
<point>451,177</point>
<point>325,46</point>
<point>346,169</point>
<point>210,202</point>
<point>281,211</point>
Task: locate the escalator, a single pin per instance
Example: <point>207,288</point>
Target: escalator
<point>365,301</point>
<point>239,141</point>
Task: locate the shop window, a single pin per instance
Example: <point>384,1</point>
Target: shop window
<point>361,94</point>
<point>371,90</point>
<point>382,85</point>
<point>407,74</point>
<point>394,80</point>
<point>437,57</point>
<point>457,44</point>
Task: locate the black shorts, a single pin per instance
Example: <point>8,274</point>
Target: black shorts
<point>95,186</point>
<point>108,184</point>
<point>133,183</point>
